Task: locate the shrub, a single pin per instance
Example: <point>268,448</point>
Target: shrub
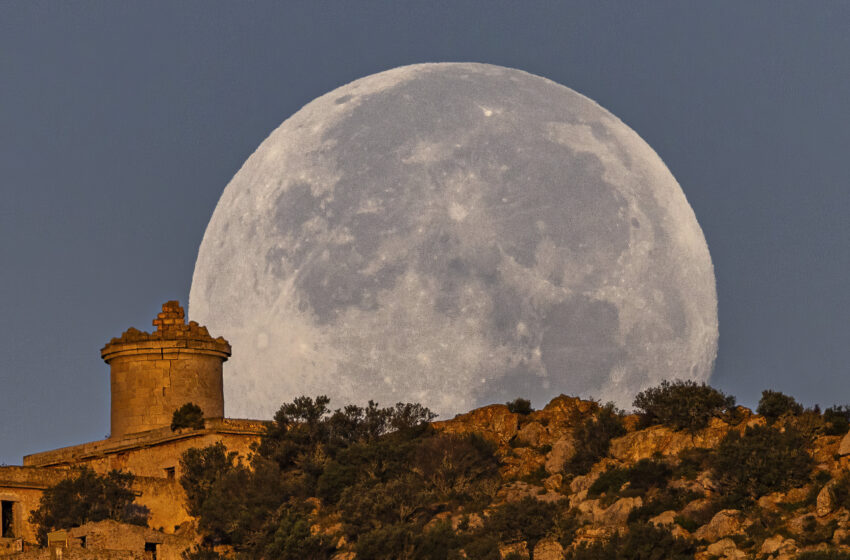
<point>593,438</point>
<point>454,466</point>
<point>667,500</point>
<point>520,406</point>
<point>438,543</point>
<point>526,520</point>
<point>642,476</point>
<point>774,405</point>
<point>482,546</point>
<point>537,476</point>
<point>692,461</point>
<point>765,524</point>
<point>646,474</point>
<point>687,523</point>
<point>816,533</point>
<point>837,420</point>
<point>685,405</point>
<point>762,461</point>
<point>386,543</point>
<point>291,538</point>
<point>608,482</point>
<point>189,415</point>
<point>84,497</point>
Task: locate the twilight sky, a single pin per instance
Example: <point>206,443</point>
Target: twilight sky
<point>121,124</point>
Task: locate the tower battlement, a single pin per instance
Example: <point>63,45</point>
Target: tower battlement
<point>153,374</point>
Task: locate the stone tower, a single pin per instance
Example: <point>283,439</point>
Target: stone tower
<point>153,374</point>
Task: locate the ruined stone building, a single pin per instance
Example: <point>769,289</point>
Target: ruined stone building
<point>151,375</point>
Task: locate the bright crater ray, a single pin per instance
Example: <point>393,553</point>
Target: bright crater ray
<point>454,234</point>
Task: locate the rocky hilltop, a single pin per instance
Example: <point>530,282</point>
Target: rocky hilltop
<point>688,475</point>
<point>808,516</point>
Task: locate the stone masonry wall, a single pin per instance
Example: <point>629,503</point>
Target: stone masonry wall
<point>151,453</point>
<point>164,498</point>
<point>24,486</point>
<point>148,388</point>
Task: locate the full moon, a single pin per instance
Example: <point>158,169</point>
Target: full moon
<point>454,235</point>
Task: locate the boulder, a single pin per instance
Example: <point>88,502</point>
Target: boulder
<point>522,462</point>
<point>473,521</point>
<point>772,544</point>
<point>494,422</point>
<point>680,532</point>
<point>643,444</point>
<point>516,491</point>
<point>591,508</point>
<point>826,500</point>
<point>577,498</point>
<point>770,501</point>
<point>787,550</point>
<point>725,523</point>
<point>520,548</point>
<point>532,433</point>
<point>796,495</point>
<point>666,518</point>
<point>548,550</point>
<point>553,483</point>
<point>725,548</point>
<point>583,483</point>
<point>564,411</point>
<point>562,451</point>
<point>618,512</point>
<point>840,536</point>
<point>844,446</point>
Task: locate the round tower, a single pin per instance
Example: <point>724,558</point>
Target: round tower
<point>154,374</point>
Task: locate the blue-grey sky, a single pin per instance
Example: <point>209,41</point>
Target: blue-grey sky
<point>122,122</point>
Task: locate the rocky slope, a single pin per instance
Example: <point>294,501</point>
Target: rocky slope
<point>535,449</point>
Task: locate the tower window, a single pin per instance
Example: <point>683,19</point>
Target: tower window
<point>169,472</point>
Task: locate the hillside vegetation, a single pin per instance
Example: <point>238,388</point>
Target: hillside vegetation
<point>689,475</point>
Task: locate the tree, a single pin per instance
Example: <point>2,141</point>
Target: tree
<point>774,405</point>
<point>189,415</point>
<point>761,461</point>
<point>356,458</point>
<point>685,405</point>
<point>293,540</point>
<point>201,469</point>
<point>836,420</point>
<point>520,406</point>
<point>593,438</point>
<point>85,497</point>
<point>527,520</point>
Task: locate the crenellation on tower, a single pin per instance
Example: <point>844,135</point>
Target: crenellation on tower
<point>153,374</point>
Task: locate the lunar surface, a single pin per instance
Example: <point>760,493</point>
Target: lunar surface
<point>454,235</point>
